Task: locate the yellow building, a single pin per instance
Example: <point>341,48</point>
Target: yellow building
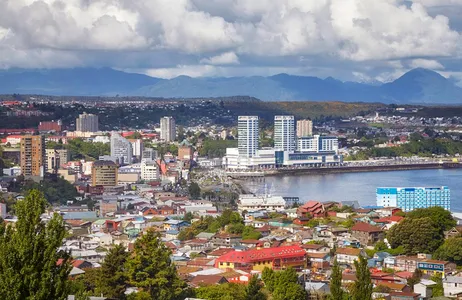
<point>104,173</point>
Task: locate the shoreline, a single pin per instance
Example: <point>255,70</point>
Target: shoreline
<point>344,169</point>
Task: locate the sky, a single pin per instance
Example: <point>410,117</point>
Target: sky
<point>357,40</point>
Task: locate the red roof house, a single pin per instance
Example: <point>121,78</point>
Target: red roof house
<point>313,209</point>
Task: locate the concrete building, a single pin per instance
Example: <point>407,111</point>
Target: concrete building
<point>104,173</point>
<point>33,156</point>
<point>149,171</point>
<point>121,148</point>
<point>304,128</point>
<point>137,147</point>
<point>250,202</point>
<point>317,144</point>
<point>248,135</point>
<point>414,197</point>
<point>56,158</point>
<point>167,129</point>
<point>185,151</point>
<point>87,123</point>
<point>149,154</point>
<point>284,133</point>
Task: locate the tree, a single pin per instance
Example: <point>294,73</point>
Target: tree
<point>336,282</point>
<point>194,190</point>
<point>437,289</point>
<point>253,289</point>
<point>250,233</point>
<point>416,276</point>
<point>113,279</point>
<point>440,217</point>
<point>451,250</point>
<point>269,278</point>
<point>227,291</point>
<point>151,270</point>
<point>286,286</point>
<point>415,236</point>
<point>29,255</point>
<point>362,288</point>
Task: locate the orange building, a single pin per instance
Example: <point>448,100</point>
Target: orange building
<point>33,155</point>
<point>274,258</point>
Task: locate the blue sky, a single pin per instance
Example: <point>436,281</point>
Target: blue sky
<point>358,40</point>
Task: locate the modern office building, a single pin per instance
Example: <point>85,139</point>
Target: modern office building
<point>167,129</point>
<point>317,144</point>
<point>56,158</point>
<point>284,133</point>
<point>87,123</point>
<point>104,173</point>
<point>248,135</point>
<point>411,198</point>
<point>121,149</point>
<point>304,128</point>
<point>33,156</point>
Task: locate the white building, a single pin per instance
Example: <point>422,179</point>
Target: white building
<point>304,128</point>
<point>102,139</point>
<point>167,129</point>
<point>121,149</point>
<point>452,286</point>
<point>264,158</point>
<point>137,147</point>
<point>251,202</point>
<point>284,133</point>
<point>149,170</point>
<point>248,135</point>
<point>87,123</point>
<point>317,143</point>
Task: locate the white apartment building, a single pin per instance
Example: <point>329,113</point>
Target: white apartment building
<point>304,128</point>
<point>250,202</point>
<point>248,135</point>
<point>317,143</point>
<point>137,147</point>
<point>87,123</point>
<point>121,149</point>
<point>167,129</point>
<point>284,133</point>
<point>149,171</point>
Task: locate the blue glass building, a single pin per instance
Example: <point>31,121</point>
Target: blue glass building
<point>411,198</point>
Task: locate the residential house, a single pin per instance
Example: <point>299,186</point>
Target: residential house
<point>319,261</point>
<point>225,240</point>
<point>348,255</point>
<point>452,286</point>
<point>312,209</point>
<point>315,248</point>
<point>436,267</point>
<point>425,288</point>
<point>453,232</point>
<point>204,280</point>
<point>367,234</point>
<point>175,225</point>
<point>197,245</point>
<point>274,258</point>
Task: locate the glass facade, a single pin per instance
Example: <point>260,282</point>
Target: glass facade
<point>411,198</point>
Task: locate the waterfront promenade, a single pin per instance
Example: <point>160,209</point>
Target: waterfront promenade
<point>350,167</point>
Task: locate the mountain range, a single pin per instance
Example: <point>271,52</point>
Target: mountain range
<point>419,86</point>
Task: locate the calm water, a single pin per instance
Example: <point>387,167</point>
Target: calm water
<point>361,186</point>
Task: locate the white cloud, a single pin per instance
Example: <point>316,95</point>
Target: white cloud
<point>426,63</point>
<point>368,39</point>
<point>227,58</point>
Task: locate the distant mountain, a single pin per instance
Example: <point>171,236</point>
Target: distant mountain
<point>75,82</point>
<point>417,86</point>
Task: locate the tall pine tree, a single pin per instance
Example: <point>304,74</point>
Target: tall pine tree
<point>253,289</point>
<point>336,290</point>
<point>151,270</point>
<point>362,288</point>
<point>113,281</point>
<point>29,255</point>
